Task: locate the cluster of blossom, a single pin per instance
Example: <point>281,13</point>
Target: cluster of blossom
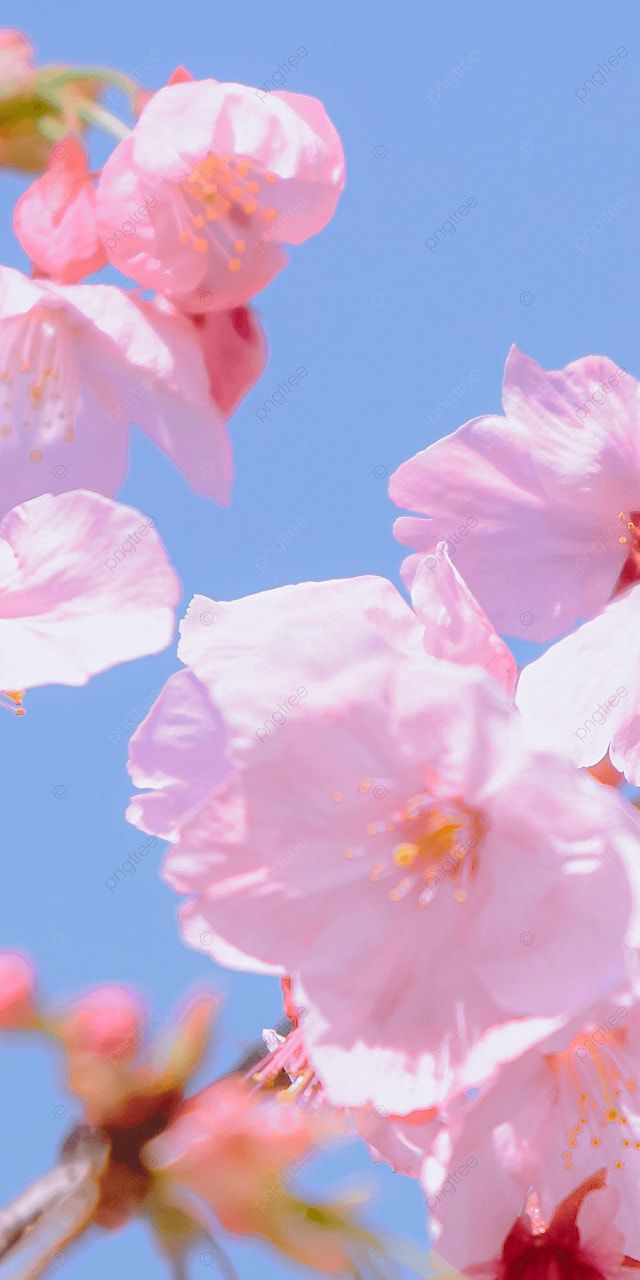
<point>226,1156</point>
<point>417,847</point>
<point>194,204</point>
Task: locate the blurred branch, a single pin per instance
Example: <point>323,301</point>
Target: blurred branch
<point>52,1212</point>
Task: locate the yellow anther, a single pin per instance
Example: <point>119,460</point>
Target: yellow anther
<point>404,855</point>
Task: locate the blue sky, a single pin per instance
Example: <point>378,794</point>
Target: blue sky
<point>404,334</point>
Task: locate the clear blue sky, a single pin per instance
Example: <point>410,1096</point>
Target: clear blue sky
<point>386,329</point>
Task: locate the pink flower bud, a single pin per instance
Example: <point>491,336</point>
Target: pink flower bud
<point>17,991</point>
<point>107,1021</point>
<point>55,219</point>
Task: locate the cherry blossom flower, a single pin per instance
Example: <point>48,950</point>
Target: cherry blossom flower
<point>80,590</point>
<point>55,218</point>
<point>448,847</point>
<point>78,365</point>
<point>538,506</point>
<point>17,991</point>
<point>218,169</point>
<point>561,1123</point>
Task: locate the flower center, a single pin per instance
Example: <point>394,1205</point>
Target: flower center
<point>538,1250</point>
<point>221,190</point>
<point>287,1061</point>
<point>598,1081</point>
<point>432,842</point>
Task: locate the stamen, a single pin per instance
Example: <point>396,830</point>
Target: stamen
<point>219,186</point>
<point>14,701</point>
<point>594,1072</point>
<point>404,855</point>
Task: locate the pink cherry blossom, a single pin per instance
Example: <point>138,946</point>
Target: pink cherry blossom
<point>563,1115</point>
<point>582,697</point>
<point>84,583</point>
<point>225,174</point>
<point>55,218</point>
<point>107,1021</point>
<point>538,506</point>
<point>78,365</point>
<point>17,991</point>
<point>440,834</point>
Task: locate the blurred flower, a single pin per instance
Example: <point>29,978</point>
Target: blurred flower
<point>219,166</point>
<point>55,218</point>
<point>225,1157</point>
<point>38,105</point>
<point>65,613</point>
<point>237,1152</point>
<point>22,146</point>
<point>121,1089</point>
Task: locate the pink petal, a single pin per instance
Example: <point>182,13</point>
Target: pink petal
<point>88,585</point>
<point>179,751</point>
<point>286,637</point>
<point>455,626</point>
<point>235,353</point>
<point>582,697</point>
